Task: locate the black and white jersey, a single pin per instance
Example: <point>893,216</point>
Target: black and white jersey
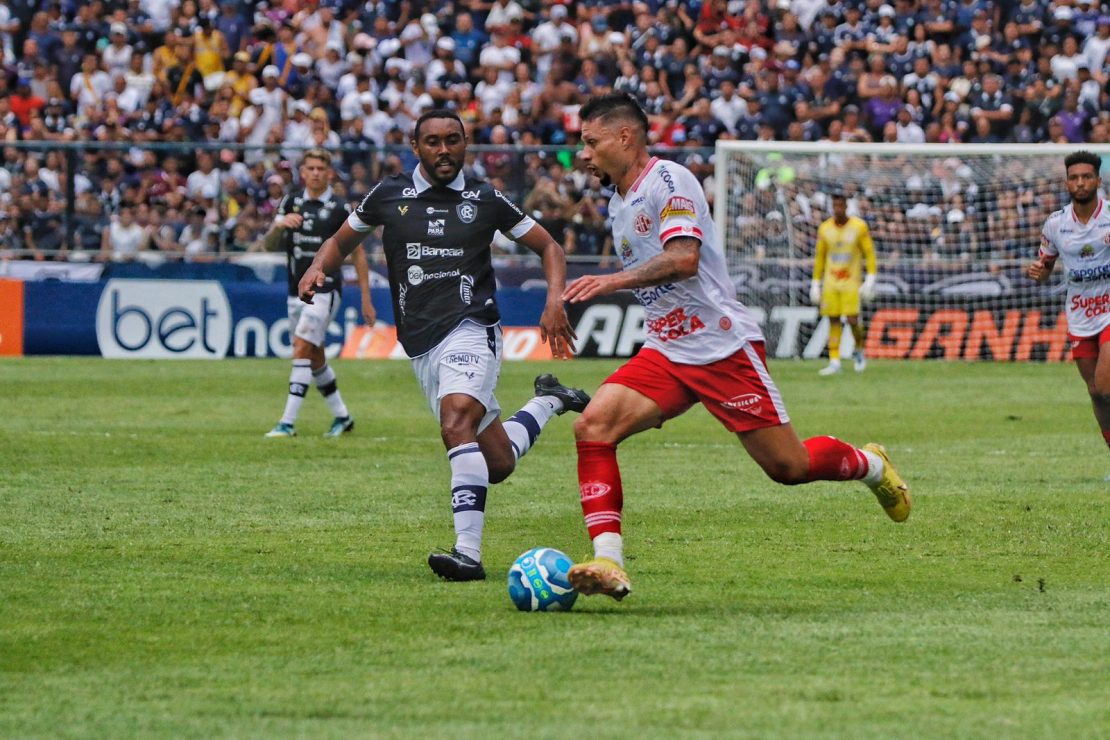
<point>437,247</point>
<point>322,218</point>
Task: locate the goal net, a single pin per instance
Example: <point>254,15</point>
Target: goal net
<point>953,227</point>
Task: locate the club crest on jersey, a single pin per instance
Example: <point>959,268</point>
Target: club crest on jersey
<point>466,211</point>
<point>1106,239</point>
<point>677,206</point>
<point>642,224</point>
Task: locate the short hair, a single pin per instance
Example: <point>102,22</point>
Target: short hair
<point>317,153</point>
<point>615,105</point>
<point>839,195</point>
<point>435,113</point>
<point>1083,157</point>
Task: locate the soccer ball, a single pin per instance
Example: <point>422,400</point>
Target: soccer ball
<point>538,581</point>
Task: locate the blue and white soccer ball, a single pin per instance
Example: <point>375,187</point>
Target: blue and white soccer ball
<point>538,581</point>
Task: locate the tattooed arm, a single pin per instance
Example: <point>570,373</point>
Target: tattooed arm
<point>678,261</point>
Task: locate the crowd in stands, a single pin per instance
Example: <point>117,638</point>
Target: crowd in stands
<point>258,82</point>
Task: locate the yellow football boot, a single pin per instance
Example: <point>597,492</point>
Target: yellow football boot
<point>600,576</point>
<point>891,490</point>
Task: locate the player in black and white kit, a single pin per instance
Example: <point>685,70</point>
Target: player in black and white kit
<point>303,223</point>
<point>439,224</point>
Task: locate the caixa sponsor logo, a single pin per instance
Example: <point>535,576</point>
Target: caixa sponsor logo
<point>162,319</point>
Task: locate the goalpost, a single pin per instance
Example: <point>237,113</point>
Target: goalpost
<point>953,226</point>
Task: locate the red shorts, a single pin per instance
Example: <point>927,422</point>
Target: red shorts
<point>1088,346</point>
<point>738,390</point>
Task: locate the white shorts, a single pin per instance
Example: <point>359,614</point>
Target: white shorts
<point>309,321</point>
<point>467,361</point>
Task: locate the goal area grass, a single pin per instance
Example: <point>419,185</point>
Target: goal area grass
<point>167,571</point>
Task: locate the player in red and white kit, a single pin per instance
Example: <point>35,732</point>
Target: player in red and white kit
<point>1080,234</point>
<point>702,346</point>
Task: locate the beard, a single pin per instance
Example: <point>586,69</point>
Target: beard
<point>1085,199</point>
<point>432,168</point>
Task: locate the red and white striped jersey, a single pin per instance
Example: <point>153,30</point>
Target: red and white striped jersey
<point>1085,252</point>
<point>698,320</point>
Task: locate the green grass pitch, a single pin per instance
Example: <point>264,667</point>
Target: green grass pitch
<point>166,571</point>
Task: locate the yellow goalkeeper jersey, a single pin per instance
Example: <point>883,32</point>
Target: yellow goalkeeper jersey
<point>840,252</point>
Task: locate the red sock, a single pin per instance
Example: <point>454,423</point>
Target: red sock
<point>599,486</point>
<point>831,459</point>
<point>1106,437</point>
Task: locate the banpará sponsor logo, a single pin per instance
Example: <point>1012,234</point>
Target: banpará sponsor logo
<point>416,250</point>
<point>300,239</point>
<point>416,275</point>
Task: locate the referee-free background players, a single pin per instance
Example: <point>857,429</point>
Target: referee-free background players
<point>303,222</point>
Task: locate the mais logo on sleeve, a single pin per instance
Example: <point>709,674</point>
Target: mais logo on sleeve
<point>677,206</point>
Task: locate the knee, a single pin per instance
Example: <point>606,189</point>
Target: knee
<point>787,472</point>
<point>590,428</point>
<point>455,432</point>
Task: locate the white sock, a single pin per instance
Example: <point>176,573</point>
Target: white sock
<point>299,378</point>
<point>524,426</point>
<point>469,483</point>
<point>874,468</point>
<point>325,382</point>
<point>609,545</point>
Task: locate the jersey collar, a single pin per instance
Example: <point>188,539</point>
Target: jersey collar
<point>324,196</point>
<point>422,183</point>
<point>1097,212</point>
<point>643,173</point>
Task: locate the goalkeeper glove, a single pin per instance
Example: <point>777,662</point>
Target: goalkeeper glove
<point>867,290</point>
<point>815,292</point>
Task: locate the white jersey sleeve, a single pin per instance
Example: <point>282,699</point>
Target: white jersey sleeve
<point>694,321</point>
<point>1084,250</point>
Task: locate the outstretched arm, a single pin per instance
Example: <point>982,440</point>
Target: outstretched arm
<point>678,261</point>
<point>555,328</point>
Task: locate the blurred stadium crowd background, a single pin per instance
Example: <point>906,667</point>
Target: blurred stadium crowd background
<point>194,113</point>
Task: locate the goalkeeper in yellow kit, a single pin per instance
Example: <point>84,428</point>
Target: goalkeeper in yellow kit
<point>843,246</point>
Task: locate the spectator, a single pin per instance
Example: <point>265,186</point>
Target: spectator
<point>124,240</point>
